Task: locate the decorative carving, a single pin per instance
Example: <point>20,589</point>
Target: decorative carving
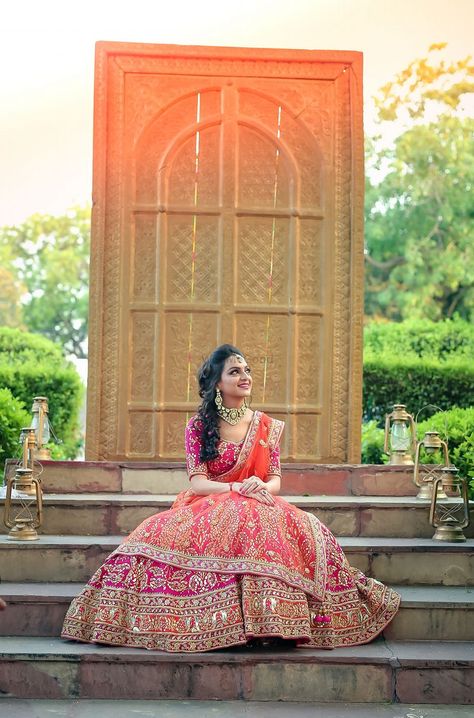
<point>142,360</point>
<point>342,275</point>
<point>151,59</point>
<point>191,262</point>
<point>307,438</point>
<point>310,276</point>
<point>262,274</point>
<point>144,258</point>
<point>263,176</point>
<point>141,433</point>
<point>264,338</point>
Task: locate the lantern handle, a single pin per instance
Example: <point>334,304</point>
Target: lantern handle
<point>413,433</point>
<point>387,431</point>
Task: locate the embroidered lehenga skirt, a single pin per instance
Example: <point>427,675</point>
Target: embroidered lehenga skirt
<point>216,571</point>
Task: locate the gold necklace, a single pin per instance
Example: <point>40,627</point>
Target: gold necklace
<point>231,416</point>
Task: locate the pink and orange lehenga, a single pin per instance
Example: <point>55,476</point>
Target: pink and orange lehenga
<point>215,571</point>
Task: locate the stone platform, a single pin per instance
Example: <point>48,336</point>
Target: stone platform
<point>426,656</point>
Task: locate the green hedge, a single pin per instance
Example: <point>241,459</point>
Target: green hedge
<point>415,382</point>
<point>372,444</point>
<point>31,365</point>
<point>421,338</point>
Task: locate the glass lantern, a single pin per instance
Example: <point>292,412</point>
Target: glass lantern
<point>400,433</point>
<point>24,512</point>
<point>40,424</point>
<point>28,442</point>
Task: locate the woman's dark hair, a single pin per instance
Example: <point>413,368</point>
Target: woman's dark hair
<point>208,376</point>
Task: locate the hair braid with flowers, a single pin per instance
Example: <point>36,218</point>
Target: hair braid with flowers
<point>207,419</point>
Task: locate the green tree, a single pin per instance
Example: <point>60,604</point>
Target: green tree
<point>46,259</point>
<point>420,214</point>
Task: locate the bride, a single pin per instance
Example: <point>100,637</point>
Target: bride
<point>231,562</point>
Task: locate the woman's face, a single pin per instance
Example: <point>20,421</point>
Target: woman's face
<point>236,380</point>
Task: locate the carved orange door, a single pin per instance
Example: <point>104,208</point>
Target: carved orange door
<point>227,209</point>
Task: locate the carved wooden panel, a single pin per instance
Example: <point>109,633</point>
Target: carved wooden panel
<point>227,207</point>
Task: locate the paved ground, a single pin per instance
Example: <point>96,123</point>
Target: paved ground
<point>225,709</point>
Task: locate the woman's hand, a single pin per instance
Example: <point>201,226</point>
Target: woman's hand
<point>263,496</point>
<point>251,485</point>
<point>255,488</point>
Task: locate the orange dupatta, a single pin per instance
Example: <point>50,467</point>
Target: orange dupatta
<point>259,459</point>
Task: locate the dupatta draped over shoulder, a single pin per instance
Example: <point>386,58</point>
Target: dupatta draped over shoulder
<point>218,570</point>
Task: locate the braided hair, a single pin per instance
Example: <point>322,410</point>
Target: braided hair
<point>206,421</point>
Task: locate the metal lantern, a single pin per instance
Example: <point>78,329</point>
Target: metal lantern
<point>451,515</point>
<point>424,475</point>
<point>28,442</point>
<point>23,514</point>
<point>400,433</point>
<point>41,426</point>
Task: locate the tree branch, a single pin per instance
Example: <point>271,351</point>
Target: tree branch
<point>388,264</point>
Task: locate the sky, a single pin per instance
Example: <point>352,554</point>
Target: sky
<point>47,67</point>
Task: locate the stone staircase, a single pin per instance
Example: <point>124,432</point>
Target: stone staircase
<point>426,655</point>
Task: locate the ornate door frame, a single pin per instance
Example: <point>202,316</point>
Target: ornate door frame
<point>320,106</point>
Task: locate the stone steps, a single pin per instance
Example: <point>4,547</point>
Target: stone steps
<point>402,561</point>
<point>90,708</point>
<point>383,671</point>
<point>442,613</point>
<point>424,655</point>
<point>106,513</point>
<point>170,478</point>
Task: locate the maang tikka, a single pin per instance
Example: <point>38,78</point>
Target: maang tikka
<point>231,416</point>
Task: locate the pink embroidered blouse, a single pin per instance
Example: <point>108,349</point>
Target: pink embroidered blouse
<point>228,454</point>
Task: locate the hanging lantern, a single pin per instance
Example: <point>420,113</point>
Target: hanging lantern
<point>451,515</point>
<point>400,435</point>
<point>24,513</point>
<point>41,426</point>
<point>425,474</point>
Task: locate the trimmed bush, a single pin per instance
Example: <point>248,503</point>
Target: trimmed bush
<point>31,365</point>
<point>415,382</point>
<point>13,418</point>
<point>17,346</point>
<point>421,338</point>
<point>372,444</point>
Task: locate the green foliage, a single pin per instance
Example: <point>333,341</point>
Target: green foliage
<point>420,225</point>
<point>30,366</point>
<point>415,382</point>
<point>457,428</point>
<point>18,346</point>
<point>421,338</point>
<point>372,444</point>
<point>45,261</point>
<point>419,212</point>
<point>13,418</point>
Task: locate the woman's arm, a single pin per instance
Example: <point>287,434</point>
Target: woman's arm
<point>202,486</point>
